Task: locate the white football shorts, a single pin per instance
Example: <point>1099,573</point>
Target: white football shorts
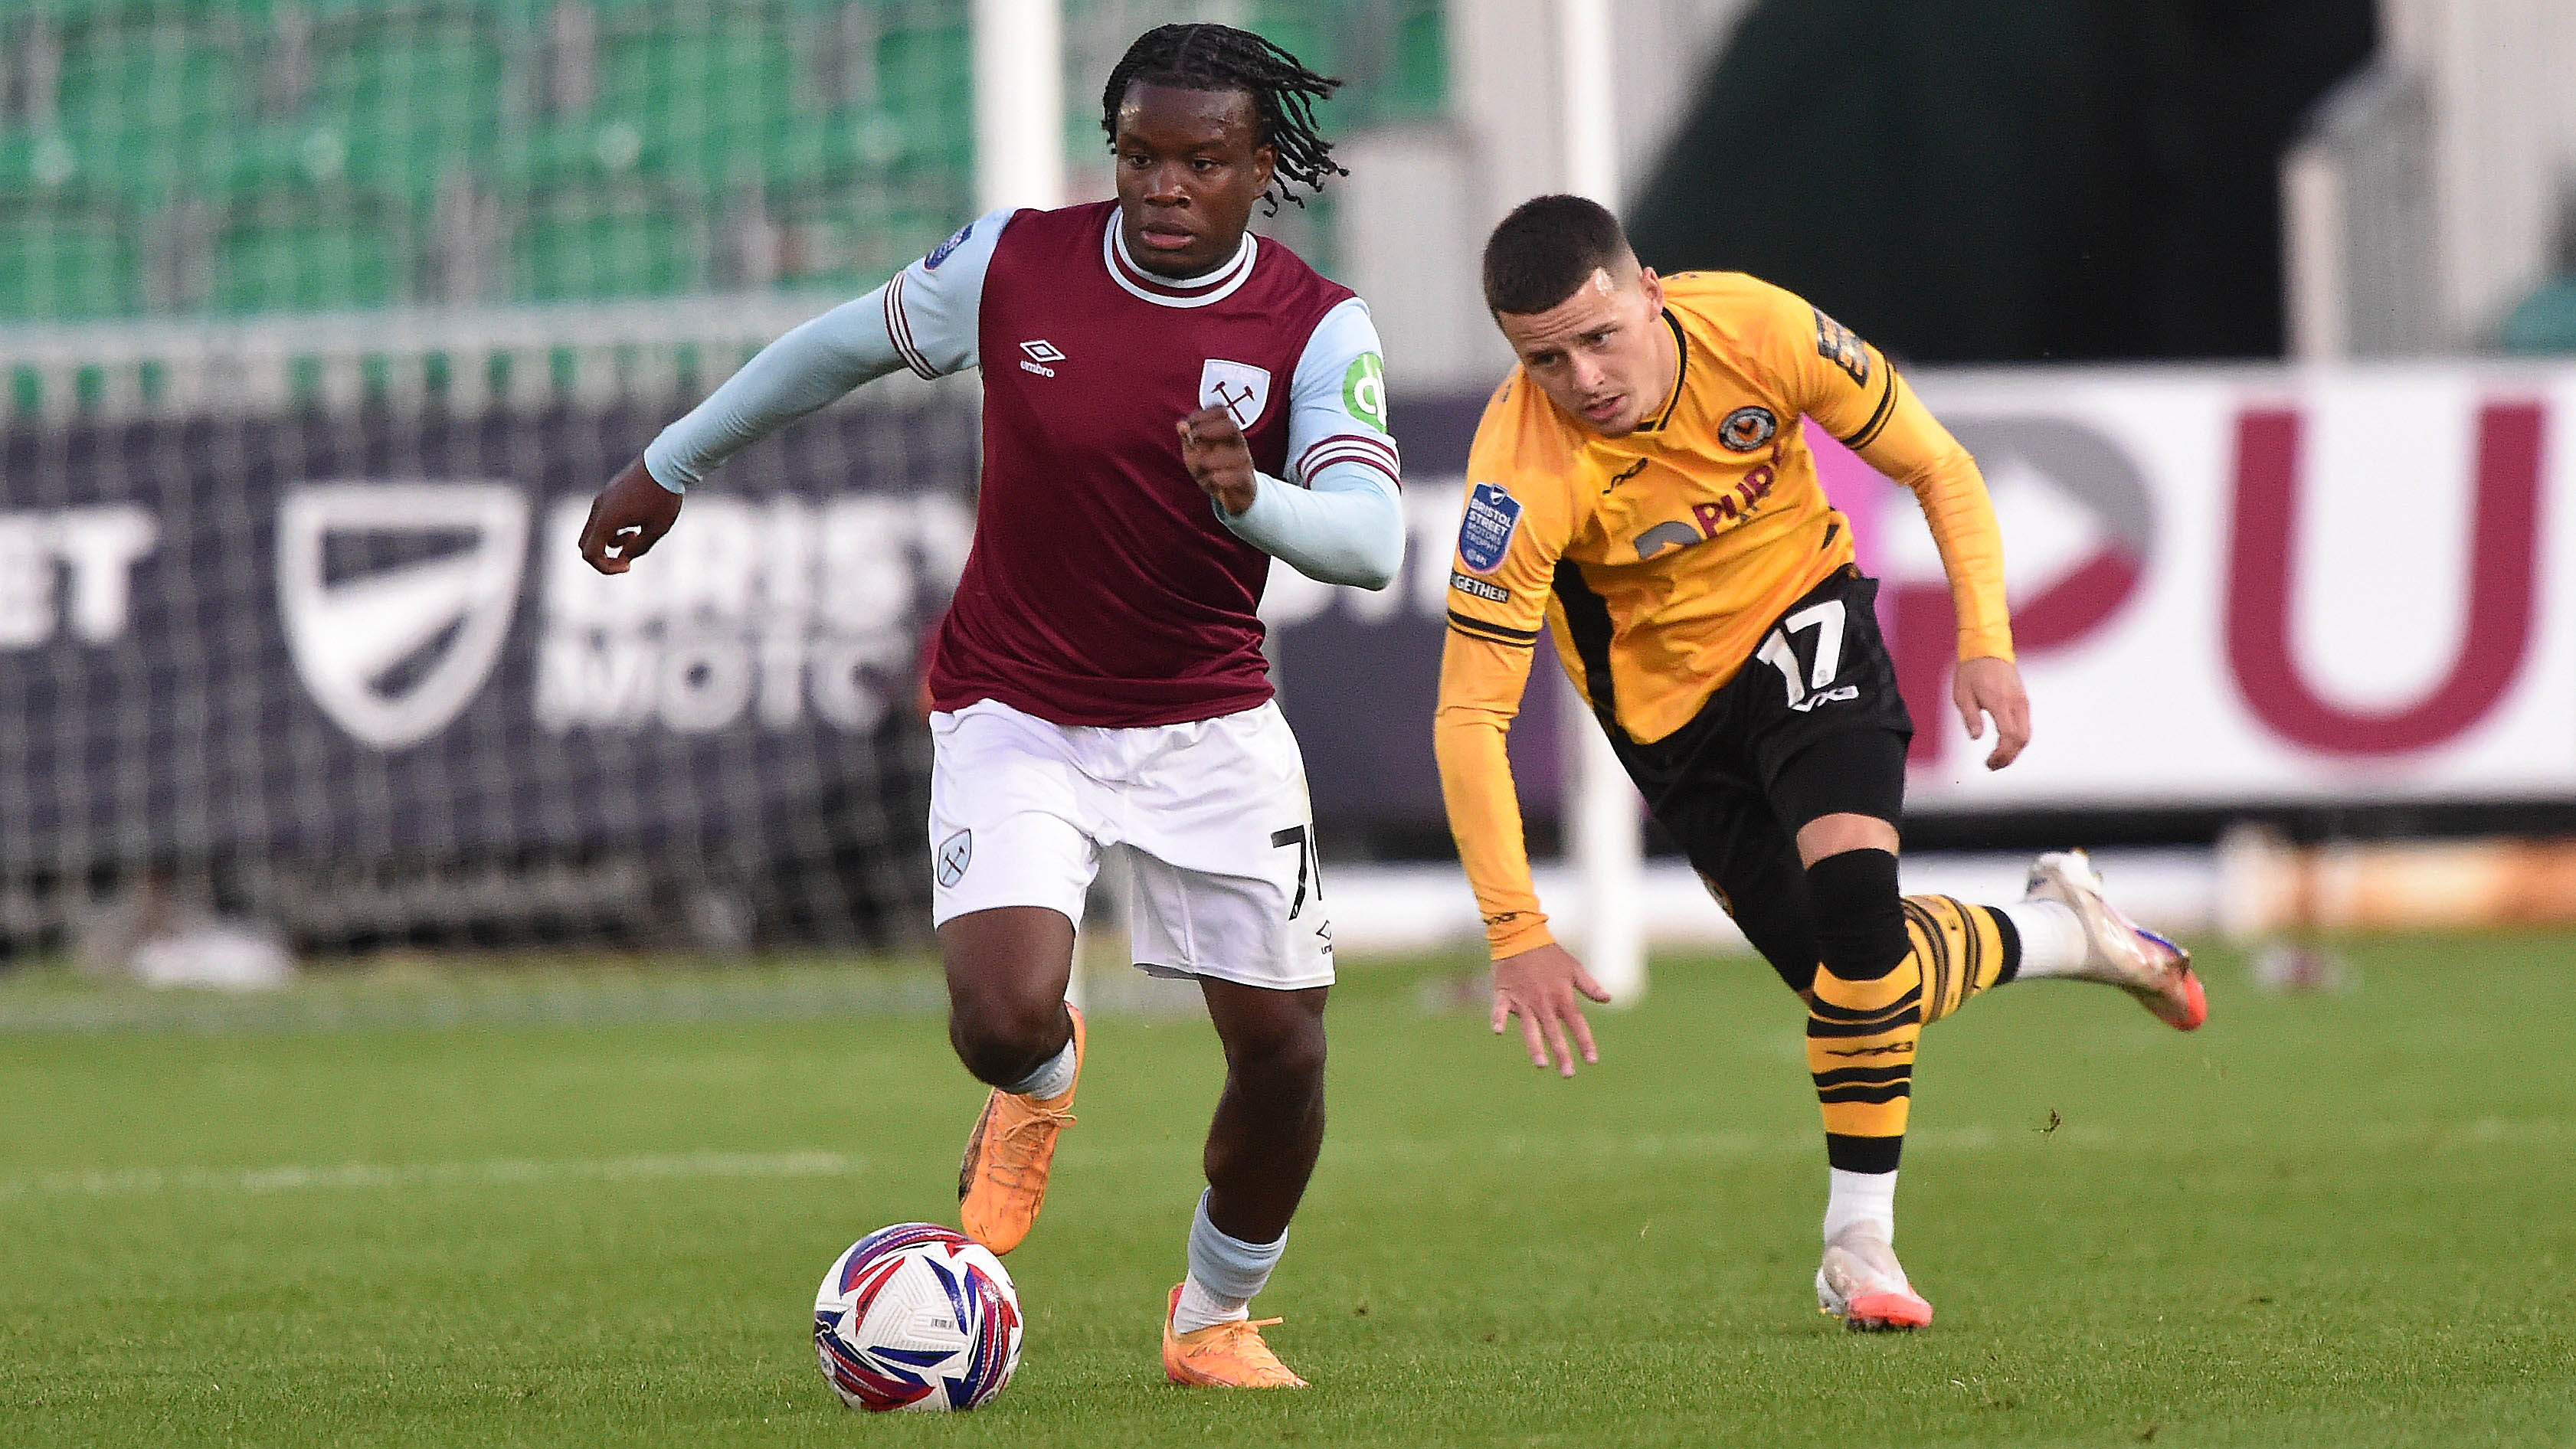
<point>1213,815</point>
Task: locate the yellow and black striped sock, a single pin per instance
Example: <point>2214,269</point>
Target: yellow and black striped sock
<point>1961,949</point>
<point>1891,964</point>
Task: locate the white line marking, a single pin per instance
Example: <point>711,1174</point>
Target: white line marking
<point>372,1176</point>
<point>377,1177</point>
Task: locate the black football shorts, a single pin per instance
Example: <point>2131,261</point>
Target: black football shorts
<point>1812,725</point>
<point>1820,671</point>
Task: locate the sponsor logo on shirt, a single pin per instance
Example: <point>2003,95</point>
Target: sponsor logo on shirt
<point>1486,532</point>
<point>1470,584</point>
<point>940,252</point>
<point>1040,353</point>
<point>1748,428</point>
<point>1710,518</point>
<point>1238,387</point>
<point>1364,390</point>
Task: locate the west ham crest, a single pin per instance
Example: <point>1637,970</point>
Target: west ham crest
<point>1238,387</point>
<point>955,853</point>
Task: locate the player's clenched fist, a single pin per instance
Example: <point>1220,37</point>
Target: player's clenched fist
<point>628,517</point>
<point>1542,987</point>
<point>1218,458</point>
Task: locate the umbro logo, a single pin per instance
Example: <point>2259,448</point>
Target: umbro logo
<point>1040,353</point>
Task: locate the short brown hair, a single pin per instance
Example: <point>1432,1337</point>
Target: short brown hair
<point>1547,248</point>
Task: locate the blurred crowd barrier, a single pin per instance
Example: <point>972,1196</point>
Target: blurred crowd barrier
<point>333,663</point>
<point>2231,588</point>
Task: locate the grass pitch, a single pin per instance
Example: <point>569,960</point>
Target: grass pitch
<point>592,1211</point>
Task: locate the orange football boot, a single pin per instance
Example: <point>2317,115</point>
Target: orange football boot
<point>1223,1355</point>
<point>1003,1180</point>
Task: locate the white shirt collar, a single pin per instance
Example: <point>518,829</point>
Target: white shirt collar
<point>1214,285</point>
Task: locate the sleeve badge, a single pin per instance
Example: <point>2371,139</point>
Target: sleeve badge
<point>1837,344</point>
<point>941,252</point>
<point>1485,535</point>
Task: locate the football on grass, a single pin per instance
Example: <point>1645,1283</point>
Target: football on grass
<point>917,1316</point>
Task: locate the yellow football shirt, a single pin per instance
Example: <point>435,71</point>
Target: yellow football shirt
<point>1664,554</point>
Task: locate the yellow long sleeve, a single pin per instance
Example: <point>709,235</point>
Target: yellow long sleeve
<point>1915,450</point>
<point>1481,683</point>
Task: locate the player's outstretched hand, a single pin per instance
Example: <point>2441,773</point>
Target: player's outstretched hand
<point>1541,987</point>
<point>628,517</point>
<point>1219,458</point>
<point>1990,686</point>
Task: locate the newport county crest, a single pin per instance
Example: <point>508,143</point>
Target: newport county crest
<point>1238,387</point>
<point>1748,428</point>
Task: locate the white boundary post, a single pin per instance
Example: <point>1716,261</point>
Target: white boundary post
<point>2315,284</point>
<point>1019,151</point>
<point>1602,829</point>
<point>1019,103</point>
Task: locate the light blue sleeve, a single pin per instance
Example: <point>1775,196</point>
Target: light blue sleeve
<point>923,319</point>
<point>1340,522</point>
<point>1337,400</point>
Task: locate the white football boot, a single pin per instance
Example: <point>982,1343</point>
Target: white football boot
<point>2118,950</point>
<point>1861,1283</point>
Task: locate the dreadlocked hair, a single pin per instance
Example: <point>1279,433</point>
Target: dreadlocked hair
<point>1222,58</point>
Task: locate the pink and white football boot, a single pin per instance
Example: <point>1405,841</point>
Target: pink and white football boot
<point>2118,950</point>
<point>1861,1283</point>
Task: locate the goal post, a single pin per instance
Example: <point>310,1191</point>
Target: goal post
<point>1019,57</point>
<point>1603,834</point>
<point>1019,103</point>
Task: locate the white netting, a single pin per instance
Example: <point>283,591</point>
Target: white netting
<point>319,325</point>
<point>340,666</point>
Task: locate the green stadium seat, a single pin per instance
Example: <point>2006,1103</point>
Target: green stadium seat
<point>1418,83</point>
<point>704,101</point>
<point>413,95</point>
<point>853,237</point>
<point>143,105</point>
<point>37,163</point>
<point>926,85</point>
<point>322,199</point>
<point>1300,31</point>
<point>66,258</point>
<point>1392,55</point>
<point>313,250</point>
<point>249,161</point>
<point>2545,321</point>
<point>562,153</point>
<point>614,242</point>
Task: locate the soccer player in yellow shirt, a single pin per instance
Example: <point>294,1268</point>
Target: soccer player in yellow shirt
<point>1640,484</point>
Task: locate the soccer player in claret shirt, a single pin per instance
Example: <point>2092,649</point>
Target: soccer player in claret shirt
<point>1169,403</point>
<point>1640,483</point>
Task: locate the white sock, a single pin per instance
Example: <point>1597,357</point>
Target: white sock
<point>1224,1274</point>
<point>2052,938</point>
<point>1861,1197</point>
<point>1053,1078</point>
<point>1199,1307</point>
